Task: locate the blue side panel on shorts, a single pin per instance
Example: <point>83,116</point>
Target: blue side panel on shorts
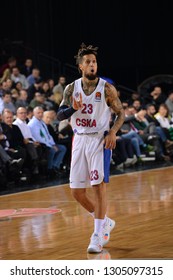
<point>107,159</point>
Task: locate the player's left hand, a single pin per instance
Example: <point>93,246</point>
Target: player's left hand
<point>110,140</point>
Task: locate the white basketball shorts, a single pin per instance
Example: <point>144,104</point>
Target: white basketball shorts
<point>90,164</point>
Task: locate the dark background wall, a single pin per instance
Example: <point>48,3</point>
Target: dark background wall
<point>134,39</point>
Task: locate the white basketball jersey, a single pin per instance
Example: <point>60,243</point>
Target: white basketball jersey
<point>94,117</point>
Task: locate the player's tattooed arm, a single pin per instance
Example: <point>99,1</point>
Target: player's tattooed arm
<point>66,109</point>
<point>115,104</point>
<point>67,95</point>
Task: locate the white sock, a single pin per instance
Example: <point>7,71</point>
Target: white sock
<point>98,225</point>
<point>93,215</point>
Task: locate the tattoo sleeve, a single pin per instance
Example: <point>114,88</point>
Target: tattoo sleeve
<point>67,95</point>
<point>115,104</point>
<point>66,110</point>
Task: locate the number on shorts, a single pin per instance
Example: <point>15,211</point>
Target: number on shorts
<point>94,175</point>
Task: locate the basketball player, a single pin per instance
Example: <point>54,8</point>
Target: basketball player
<point>88,102</point>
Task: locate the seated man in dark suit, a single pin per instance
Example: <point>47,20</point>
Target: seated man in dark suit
<point>11,154</point>
<point>13,142</point>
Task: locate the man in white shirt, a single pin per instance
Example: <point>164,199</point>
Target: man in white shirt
<point>41,134</point>
<point>31,145</point>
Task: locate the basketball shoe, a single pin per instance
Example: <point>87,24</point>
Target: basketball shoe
<point>107,228</point>
<point>95,245</point>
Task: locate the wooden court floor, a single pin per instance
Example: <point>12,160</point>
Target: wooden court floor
<point>140,202</point>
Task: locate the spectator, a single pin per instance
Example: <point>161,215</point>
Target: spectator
<point>26,69</point>
<point>164,119</point>
<point>29,114</point>
<point>128,131</point>
<point>7,102</point>
<point>13,144</point>
<point>169,102</point>
<point>157,96</point>
<point>148,132</point>
<point>51,84</point>
<point>6,86</point>
<point>34,76</point>
<point>33,148</point>
<point>137,104</point>
<point>16,76</point>
<point>38,100</point>
<point>50,103</point>
<point>36,87</point>
<point>22,100</point>
<point>9,84</point>
<point>134,97</point>
<point>59,89</point>
<point>123,155</point>
<point>6,69</point>
<point>10,164</point>
<point>150,116</point>
<point>48,118</point>
<point>14,96</point>
<point>5,158</point>
<point>45,89</point>
<point>41,134</point>
<point>18,86</point>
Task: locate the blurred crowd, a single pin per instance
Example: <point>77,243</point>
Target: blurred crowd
<point>147,132</point>
<point>32,141</point>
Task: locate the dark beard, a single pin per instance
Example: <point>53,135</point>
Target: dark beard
<point>91,77</point>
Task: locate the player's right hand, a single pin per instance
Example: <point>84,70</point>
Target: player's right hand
<point>77,102</point>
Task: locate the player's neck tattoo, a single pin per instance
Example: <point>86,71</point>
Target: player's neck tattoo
<point>89,87</point>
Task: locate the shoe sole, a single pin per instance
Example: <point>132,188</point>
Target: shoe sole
<point>94,251</point>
